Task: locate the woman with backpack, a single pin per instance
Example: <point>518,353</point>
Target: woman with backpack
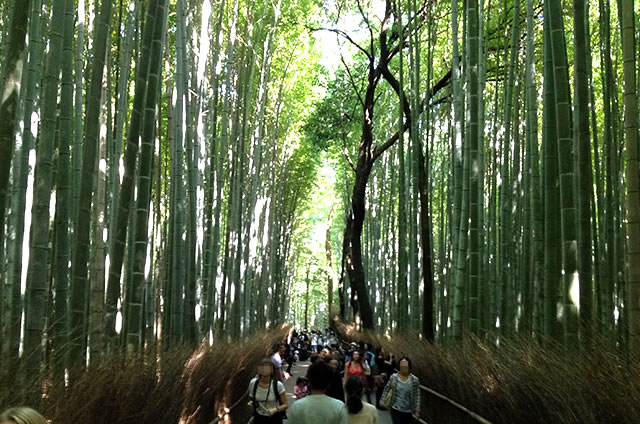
<point>402,394</point>
<point>267,395</point>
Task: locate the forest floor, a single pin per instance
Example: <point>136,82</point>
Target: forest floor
<point>300,370</point>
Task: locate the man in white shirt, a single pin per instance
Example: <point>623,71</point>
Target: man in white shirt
<point>318,408</point>
<point>276,358</point>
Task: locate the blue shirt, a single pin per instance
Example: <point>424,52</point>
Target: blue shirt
<point>402,401</point>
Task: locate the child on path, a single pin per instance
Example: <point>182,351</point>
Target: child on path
<point>301,389</point>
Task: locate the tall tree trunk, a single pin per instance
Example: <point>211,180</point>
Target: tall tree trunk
<point>367,155</point>
<point>63,202</point>
<point>507,201</point>
<point>215,158</point>
<point>458,104</point>
<point>609,136</point>
<point>76,154</point>
<point>533,165</point>
<point>80,277</point>
<point>582,147</point>
<point>9,96</point>
<point>190,328</point>
<point>552,250</point>
<point>135,319</point>
<point>402,308</point>
<point>568,227</point>
<point>475,162</point>
<point>13,313</point>
<point>38,271</point>
<point>119,226</point>
<point>122,102</point>
<point>95,308</point>
<point>222,155</point>
<point>632,173</point>
<point>330,272</point>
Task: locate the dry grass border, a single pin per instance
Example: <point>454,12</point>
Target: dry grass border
<point>522,381</point>
<point>181,386</point>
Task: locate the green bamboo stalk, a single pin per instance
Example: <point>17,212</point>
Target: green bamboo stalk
<point>475,162</point>
<point>552,250</point>
<point>10,94</point>
<point>568,207</point>
<point>135,321</point>
<point>37,271</point>
<point>76,154</point>
<point>63,203</point>
<point>632,172</point>
<point>79,272</point>
<point>119,226</point>
<point>13,312</point>
<point>533,165</point>
<point>582,147</point>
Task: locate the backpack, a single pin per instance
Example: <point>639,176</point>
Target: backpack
<point>274,384</point>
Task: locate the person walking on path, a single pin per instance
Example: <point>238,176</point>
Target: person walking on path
<point>277,357</point>
<point>355,367</point>
<point>359,412</point>
<point>317,408</point>
<point>384,365</point>
<point>335,389</point>
<point>267,395</point>
<point>405,394</point>
<point>301,389</point>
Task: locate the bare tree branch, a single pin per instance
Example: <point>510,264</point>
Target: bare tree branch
<point>345,151</point>
<point>380,149</point>
<point>366,19</point>
<point>353,83</point>
<point>409,29</point>
<point>344,35</point>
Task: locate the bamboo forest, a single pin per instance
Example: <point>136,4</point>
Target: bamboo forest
<point>184,182</point>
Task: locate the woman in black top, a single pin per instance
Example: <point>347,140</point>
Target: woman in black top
<point>384,363</point>
<point>335,389</point>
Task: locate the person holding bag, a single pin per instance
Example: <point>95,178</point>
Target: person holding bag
<point>402,394</point>
<point>267,395</point>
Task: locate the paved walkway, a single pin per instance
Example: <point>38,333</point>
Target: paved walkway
<point>300,369</point>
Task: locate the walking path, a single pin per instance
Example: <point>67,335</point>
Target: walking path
<point>300,370</point>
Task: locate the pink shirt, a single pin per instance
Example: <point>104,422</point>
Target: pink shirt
<point>300,391</point>
<point>353,371</point>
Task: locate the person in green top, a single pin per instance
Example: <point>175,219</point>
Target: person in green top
<point>317,408</point>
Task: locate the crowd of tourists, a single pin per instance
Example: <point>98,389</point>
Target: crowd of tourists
<point>340,376</point>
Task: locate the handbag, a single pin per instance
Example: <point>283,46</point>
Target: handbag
<point>378,380</point>
<point>388,399</point>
